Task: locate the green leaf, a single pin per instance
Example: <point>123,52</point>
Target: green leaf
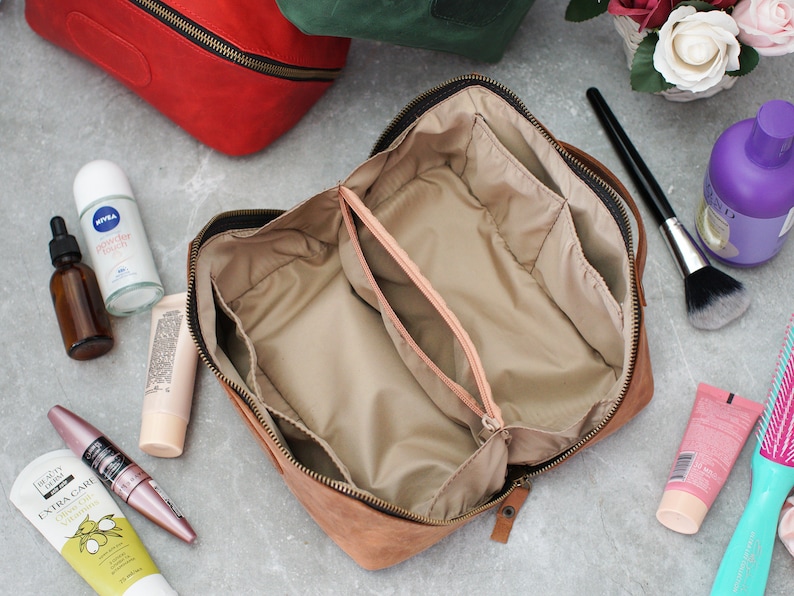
<point>748,60</point>
<point>581,10</point>
<point>644,77</point>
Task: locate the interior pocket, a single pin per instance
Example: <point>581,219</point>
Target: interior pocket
<point>283,420</point>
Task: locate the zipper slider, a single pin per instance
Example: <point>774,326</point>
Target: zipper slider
<point>508,510</point>
<point>490,426</point>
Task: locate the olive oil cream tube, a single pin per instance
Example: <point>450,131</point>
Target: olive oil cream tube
<point>69,505</point>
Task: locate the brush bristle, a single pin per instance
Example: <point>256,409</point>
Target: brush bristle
<point>776,430</point>
<point>713,298</point>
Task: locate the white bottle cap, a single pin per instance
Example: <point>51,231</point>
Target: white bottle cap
<point>98,179</point>
<point>681,511</point>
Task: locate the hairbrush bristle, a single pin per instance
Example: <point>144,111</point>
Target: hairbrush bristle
<point>713,298</point>
<point>776,430</point>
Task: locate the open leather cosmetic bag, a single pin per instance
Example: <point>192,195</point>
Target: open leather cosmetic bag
<point>234,74</point>
<point>412,347</point>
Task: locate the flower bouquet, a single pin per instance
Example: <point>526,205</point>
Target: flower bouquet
<point>690,49</point>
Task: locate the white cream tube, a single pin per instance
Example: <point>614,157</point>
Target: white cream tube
<point>72,509</point>
<point>170,377</point>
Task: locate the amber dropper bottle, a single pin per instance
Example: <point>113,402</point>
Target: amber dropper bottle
<point>84,322</point>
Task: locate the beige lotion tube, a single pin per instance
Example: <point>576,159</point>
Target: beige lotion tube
<point>718,428</point>
<point>170,376</point>
<point>72,509</point>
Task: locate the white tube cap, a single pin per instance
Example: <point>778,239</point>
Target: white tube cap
<point>162,434</point>
<point>681,512</point>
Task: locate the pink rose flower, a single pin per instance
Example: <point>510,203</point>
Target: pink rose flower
<point>650,14</point>
<point>766,25</point>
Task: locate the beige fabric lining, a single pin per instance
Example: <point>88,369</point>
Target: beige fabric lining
<point>540,283</point>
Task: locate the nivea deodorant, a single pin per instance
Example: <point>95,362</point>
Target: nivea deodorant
<point>118,247</point>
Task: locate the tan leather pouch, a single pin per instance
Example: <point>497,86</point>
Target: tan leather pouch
<point>411,347</point>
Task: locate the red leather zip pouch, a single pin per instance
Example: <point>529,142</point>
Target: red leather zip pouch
<point>235,75</point>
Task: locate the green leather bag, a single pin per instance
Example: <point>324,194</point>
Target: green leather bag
<point>473,28</point>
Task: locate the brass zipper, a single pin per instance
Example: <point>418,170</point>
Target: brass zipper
<point>225,221</point>
<point>220,47</point>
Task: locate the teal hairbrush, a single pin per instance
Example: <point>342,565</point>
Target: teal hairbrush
<point>745,565</point>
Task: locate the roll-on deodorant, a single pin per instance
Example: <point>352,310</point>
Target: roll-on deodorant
<point>117,243</point>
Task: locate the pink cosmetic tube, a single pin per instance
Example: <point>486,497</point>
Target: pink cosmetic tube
<point>122,475</point>
<point>718,428</point>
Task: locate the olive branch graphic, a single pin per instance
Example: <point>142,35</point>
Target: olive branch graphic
<point>93,535</point>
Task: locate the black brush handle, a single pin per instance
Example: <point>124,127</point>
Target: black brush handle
<point>631,158</point>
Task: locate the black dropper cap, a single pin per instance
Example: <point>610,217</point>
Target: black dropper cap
<point>63,244</point>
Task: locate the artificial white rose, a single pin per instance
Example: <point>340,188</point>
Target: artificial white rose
<point>696,48</point>
<point>766,25</point>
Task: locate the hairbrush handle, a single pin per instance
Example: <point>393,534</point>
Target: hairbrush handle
<point>631,158</point>
<point>745,566</point>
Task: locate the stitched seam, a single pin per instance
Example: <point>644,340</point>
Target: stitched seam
<point>98,27</point>
<point>458,21</point>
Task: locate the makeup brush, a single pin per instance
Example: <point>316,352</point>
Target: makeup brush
<point>745,566</point>
<point>713,298</point>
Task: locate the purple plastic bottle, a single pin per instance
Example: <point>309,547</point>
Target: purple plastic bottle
<point>748,193</point>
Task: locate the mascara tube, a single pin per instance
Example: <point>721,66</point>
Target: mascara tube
<point>122,475</point>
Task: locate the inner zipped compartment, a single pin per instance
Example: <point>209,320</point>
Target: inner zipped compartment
<point>419,322</point>
<point>528,259</point>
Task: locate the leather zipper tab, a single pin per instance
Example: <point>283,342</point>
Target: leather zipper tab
<point>508,511</point>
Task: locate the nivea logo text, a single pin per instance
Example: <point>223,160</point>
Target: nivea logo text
<point>105,219</point>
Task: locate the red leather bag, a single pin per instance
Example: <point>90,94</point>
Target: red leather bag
<point>235,74</point>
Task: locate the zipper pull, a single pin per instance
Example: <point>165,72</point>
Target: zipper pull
<point>508,510</point>
<point>491,426</point>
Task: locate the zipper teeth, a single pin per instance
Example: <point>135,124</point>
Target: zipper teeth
<point>222,48</point>
<point>215,225</point>
<point>531,472</point>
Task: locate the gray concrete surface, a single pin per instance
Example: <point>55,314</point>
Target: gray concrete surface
<point>587,528</point>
